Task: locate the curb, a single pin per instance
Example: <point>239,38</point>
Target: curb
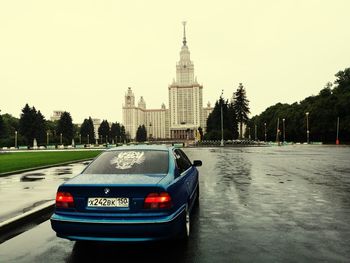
<point>43,167</point>
<point>25,218</point>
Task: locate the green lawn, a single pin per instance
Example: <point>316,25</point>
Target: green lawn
<point>22,160</point>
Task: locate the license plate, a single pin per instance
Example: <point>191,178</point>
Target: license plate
<point>108,202</point>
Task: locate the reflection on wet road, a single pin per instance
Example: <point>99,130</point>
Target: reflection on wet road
<point>278,204</point>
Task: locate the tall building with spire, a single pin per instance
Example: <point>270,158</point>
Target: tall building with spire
<point>185,114</point>
<point>185,97</point>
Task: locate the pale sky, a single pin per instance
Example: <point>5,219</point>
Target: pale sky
<point>80,56</point>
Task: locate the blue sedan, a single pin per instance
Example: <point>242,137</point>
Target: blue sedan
<point>129,193</point>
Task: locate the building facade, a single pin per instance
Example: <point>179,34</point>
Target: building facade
<point>134,116</point>
<point>185,113</point>
<point>56,115</point>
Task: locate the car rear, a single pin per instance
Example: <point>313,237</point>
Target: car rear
<point>121,196</point>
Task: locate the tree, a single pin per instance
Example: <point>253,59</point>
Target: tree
<point>115,132</point>
<point>122,133</point>
<point>10,126</point>
<point>200,130</point>
<point>241,107</point>
<point>27,124</point>
<point>214,121</point>
<point>51,128</point>
<point>87,130</point>
<point>104,130</point>
<point>343,79</point>
<point>324,109</point>
<point>230,121</point>
<point>65,127</point>
<point>2,127</point>
<point>141,133</point>
<point>40,128</point>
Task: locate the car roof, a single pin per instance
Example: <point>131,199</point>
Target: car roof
<point>154,147</point>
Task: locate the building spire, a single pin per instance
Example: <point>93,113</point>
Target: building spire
<point>184,39</point>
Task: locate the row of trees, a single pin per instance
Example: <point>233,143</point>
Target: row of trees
<point>115,132</point>
<point>234,115</point>
<point>320,111</point>
<point>32,124</point>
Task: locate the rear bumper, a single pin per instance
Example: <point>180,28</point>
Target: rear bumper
<point>118,230</point>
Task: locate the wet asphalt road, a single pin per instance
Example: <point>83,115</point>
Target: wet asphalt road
<point>22,192</point>
<point>257,204</point>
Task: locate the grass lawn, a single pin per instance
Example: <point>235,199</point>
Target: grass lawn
<point>22,160</point>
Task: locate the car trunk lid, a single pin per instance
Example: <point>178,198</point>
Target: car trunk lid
<point>126,192</point>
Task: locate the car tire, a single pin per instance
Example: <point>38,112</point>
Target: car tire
<point>186,225</point>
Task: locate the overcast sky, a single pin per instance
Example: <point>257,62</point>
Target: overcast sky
<point>80,56</point>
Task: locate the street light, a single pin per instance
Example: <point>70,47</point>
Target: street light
<point>61,138</point>
<point>265,132</point>
<point>256,133</point>
<point>88,142</point>
<point>106,140</point>
<point>307,128</point>
<point>222,121</point>
<point>47,138</point>
<point>15,139</point>
<point>79,138</point>
<point>278,132</point>
<point>337,140</point>
<point>284,130</point>
<point>150,134</point>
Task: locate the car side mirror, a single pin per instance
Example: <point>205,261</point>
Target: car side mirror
<point>197,163</point>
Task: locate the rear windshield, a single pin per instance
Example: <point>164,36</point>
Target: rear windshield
<point>130,162</point>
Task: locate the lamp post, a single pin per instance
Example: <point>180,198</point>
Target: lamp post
<point>278,132</point>
<point>284,130</point>
<point>150,134</point>
<point>15,139</point>
<point>265,132</point>
<point>249,137</point>
<point>256,133</point>
<point>337,140</point>
<point>47,138</point>
<point>307,128</point>
<point>222,120</point>
<point>79,138</point>
<point>88,139</point>
<point>61,138</point>
<point>106,140</point>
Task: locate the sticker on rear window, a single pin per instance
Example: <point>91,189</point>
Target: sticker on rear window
<point>126,160</point>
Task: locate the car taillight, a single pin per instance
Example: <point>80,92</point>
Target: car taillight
<point>158,201</point>
<point>64,200</point>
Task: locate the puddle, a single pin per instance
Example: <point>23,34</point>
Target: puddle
<point>32,177</point>
<point>63,171</point>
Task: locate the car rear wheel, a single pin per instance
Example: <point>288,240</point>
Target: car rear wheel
<point>186,225</point>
